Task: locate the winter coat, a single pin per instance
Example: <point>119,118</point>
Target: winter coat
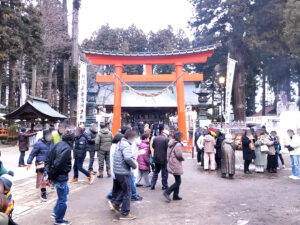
<point>23,142</point>
<point>260,157</point>
<point>143,158</point>
<point>160,145</point>
<point>104,140</point>
<point>200,143</point>
<point>248,154</point>
<point>270,141</point>
<point>3,219</point>
<point>56,137</point>
<point>295,143</point>
<point>219,142</point>
<point>228,148</point>
<point>91,140</point>
<point>59,162</point>
<point>123,159</point>
<point>111,161</point>
<point>197,136</point>
<point>209,143</point>
<point>2,169</point>
<point>175,157</point>
<point>80,147</point>
<point>40,151</point>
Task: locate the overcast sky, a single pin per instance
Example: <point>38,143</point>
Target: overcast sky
<point>146,15</point>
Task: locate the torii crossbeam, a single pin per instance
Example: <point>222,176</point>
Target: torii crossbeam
<point>177,58</point>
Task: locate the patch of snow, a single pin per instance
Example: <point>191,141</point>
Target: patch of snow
<point>242,222</point>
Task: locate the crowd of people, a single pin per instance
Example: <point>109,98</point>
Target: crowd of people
<point>128,157</point>
<point>131,155</point>
<point>216,151</point>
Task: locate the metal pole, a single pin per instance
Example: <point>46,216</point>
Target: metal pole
<point>221,107</point>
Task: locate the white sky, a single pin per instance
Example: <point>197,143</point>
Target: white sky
<point>146,15</point>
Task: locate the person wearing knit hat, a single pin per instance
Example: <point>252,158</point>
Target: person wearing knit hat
<point>6,182</point>
<point>40,152</point>
<point>212,131</point>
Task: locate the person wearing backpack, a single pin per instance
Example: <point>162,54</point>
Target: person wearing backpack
<point>58,167</point>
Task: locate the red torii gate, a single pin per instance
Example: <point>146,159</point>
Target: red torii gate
<point>177,58</point>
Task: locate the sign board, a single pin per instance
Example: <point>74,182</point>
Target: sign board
<point>82,93</point>
<point>229,83</point>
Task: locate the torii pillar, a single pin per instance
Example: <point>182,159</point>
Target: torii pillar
<point>177,58</point>
<point>117,99</point>
<point>180,100</point>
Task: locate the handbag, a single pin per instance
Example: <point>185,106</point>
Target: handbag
<point>40,166</point>
<point>264,148</point>
<point>251,146</point>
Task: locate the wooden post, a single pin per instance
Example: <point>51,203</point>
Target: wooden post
<point>180,100</point>
<point>148,69</point>
<point>117,99</point>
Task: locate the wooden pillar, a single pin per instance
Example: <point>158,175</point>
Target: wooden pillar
<point>148,69</point>
<point>117,99</point>
<point>180,100</point>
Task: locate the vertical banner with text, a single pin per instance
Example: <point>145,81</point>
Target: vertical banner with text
<point>82,93</point>
<point>229,83</point>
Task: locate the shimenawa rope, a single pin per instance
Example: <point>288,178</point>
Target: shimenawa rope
<point>154,94</point>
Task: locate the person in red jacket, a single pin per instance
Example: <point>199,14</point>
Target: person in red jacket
<point>144,161</point>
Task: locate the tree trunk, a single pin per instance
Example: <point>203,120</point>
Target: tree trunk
<point>55,90</point>
<point>65,93</point>
<point>50,79</point>
<point>1,71</point>
<point>239,88</point>
<point>264,95</point>
<point>65,7</point>
<point>33,80</point>
<point>11,85</point>
<point>39,85</point>
<point>75,57</point>
<point>75,46</point>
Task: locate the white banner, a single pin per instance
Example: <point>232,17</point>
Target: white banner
<point>229,83</point>
<point>82,93</point>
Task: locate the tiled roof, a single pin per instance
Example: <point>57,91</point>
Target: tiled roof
<point>35,108</point>
<point>162,53</point>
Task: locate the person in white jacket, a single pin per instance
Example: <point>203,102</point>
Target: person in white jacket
<point>294,148</point>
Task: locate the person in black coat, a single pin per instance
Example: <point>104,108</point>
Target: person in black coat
<point>219,141</point>
<point>160,146</point>
<point>80,148</point>
<point>91,138</point>
<point>58,166</point>
<point>248,153</point>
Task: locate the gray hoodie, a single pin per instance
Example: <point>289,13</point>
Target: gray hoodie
<point>123,158</point>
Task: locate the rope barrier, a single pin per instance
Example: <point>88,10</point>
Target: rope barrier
<point>154,94</point>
